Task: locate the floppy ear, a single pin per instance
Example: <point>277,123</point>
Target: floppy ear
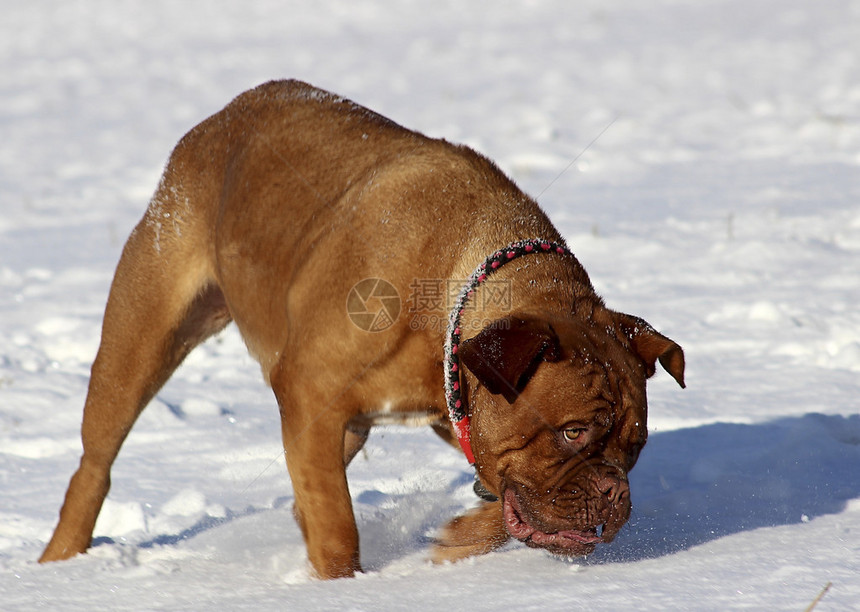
<point>506,354</point>
<point>651,346</point>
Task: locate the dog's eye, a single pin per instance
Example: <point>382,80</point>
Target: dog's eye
<point>572,434</point>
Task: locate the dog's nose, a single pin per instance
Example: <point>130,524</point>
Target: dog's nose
<point>613,488</point>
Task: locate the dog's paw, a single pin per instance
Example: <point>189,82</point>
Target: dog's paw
<point>477,532</point>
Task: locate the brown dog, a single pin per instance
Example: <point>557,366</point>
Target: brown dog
<point>271,213</point>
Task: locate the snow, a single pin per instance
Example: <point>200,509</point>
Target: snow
<point>721,202</point>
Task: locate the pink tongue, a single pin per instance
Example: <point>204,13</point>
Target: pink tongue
<point>581,536</point>
<point>521,530</point>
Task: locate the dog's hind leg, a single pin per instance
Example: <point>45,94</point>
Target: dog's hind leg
<point>162,304</point>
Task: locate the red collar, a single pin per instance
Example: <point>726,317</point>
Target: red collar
<point>457,410</point>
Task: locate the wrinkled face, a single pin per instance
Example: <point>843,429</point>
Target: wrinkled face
<point>557,452</point>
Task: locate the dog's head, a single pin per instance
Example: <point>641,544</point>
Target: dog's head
<point>559,418</point>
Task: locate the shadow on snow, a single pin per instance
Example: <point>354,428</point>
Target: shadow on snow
<point>695,485</point>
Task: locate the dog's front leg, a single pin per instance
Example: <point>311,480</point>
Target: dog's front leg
<point>477,532</point>
<point>323,504</point>
<point>314,445</point>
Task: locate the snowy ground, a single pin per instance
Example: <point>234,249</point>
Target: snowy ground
<point>722,203</point>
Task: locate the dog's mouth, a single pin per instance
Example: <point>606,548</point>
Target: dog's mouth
<point>567,542</point>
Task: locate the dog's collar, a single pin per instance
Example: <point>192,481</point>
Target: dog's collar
<point>457,409</point>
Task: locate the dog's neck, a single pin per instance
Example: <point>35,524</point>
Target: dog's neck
<point>454,397</point>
